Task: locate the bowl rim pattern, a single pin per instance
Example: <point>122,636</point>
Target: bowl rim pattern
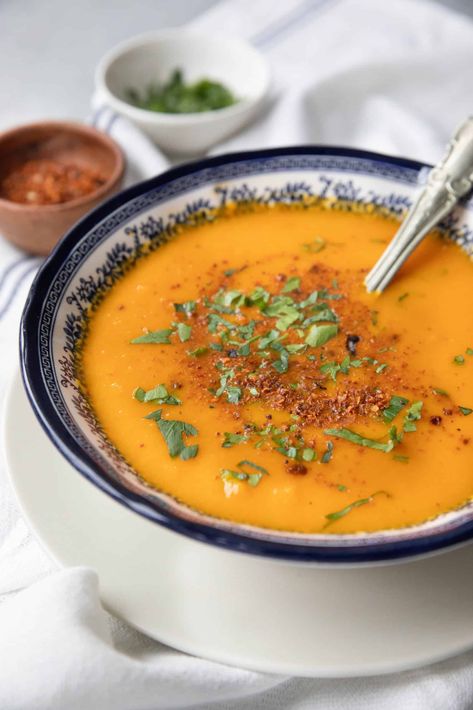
<point>360,548</point>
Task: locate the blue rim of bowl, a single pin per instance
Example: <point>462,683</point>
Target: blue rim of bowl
<point>369,552</point>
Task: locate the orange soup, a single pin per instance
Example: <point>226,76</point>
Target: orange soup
<point>243,369</point>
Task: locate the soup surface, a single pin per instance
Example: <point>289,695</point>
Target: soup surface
<point>243,369</point>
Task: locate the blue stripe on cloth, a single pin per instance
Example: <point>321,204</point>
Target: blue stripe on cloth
<point>11,267</point>
<point>286,24</point>
<point>96,116</point>
<point>111,121</point>
<point>16,287</point>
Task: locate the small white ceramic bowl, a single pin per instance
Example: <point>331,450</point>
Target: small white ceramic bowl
<point>152,58</point>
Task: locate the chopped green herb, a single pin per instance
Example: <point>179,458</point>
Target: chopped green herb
<point>256,466</point>
<point>309,454</point>
<point>442,393</point>
<point>341,488</point>
<point>400,458</point>
<point>233,439</point>
<point>360,440</point>
<point>413,415</point>
<point>291,284</point>
<point>469,351</point>
<point>465,411</point>
<point>157,395</point>
<point>315,246</point>
<point>296,347</point>
<point>403,296</point>
<point>320,334</point>
<point>396,403</point>
<point>459,359</point>
<point>332,517</point>
<point>233,394</point>
<point>381,368</point>
<point>252,478</point>
<point>160,337</point>
<point>328,453</point>
<point>282,364</point>
<point>321,315</point>
<point>198,352</point>
<point>330,368</point>
<point>173,432</point>
<point>184,332</point>
<point>177,96</point>
<point>187,307</point>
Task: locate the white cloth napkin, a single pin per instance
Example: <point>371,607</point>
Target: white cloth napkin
<point>392,76</point>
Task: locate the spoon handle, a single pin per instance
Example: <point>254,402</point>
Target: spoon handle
<point>448,181</point>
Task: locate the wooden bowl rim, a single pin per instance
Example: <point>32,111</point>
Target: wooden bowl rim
<point>74,129</point>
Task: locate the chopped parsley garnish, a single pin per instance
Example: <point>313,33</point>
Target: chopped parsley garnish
<point>157,395</point>
<point>173,432</point>
<point>282,364</point>
<point>184,331</point>
<point>233,439</point>
<point>309,454</point>
<point>187,307</point>
<point>328,453</point>
<point>175,95</point>
<point>292,284</point>
<point>402,297</point>
<point>459,360</point>
<point>395,405</point>
<point>315,246</point>
<point>400,458</point>
<point>465,411</point>
<point>355,438</point>
<point>252,477</point>
<point>413,415</point>
<point>333,368</point>
<point>332,517</point>
<point>469,351</point>
<point>320,334</point>
<point>442,393</point>
<point>155,336</point>
<point>198,352</point>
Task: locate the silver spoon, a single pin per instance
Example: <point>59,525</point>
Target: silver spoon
<point>448,181</point>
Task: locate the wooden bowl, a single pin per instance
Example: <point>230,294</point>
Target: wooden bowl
<point>37,228</point>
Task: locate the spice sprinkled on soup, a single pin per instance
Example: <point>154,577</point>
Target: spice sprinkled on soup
<point>243,369</point>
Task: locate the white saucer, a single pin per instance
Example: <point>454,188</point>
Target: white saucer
<point>240,610</point>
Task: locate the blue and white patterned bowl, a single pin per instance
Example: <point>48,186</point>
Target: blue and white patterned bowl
<point>92,257</point>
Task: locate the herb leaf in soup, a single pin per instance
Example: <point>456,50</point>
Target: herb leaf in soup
<point>414,413</point>
<point>173,432</point>
<point>355,438</point>
<point>332,517</point>
<point>320,334</point>
<point>188,307</point>
<point>315,246</point>
<point>291,284</point>
<point>327,455</point>
<point>465,411</point>
<point>396,404</point>
<point>184,332</point>
<point>157,395</point>
<point>160,337</point>
<point>231,439</point>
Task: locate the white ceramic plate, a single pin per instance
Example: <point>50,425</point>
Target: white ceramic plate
<point>234,608</point>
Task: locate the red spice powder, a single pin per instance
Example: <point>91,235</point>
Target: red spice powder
<point>48,182</point>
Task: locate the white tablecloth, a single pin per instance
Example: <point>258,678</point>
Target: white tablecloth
<point>389,76</point>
